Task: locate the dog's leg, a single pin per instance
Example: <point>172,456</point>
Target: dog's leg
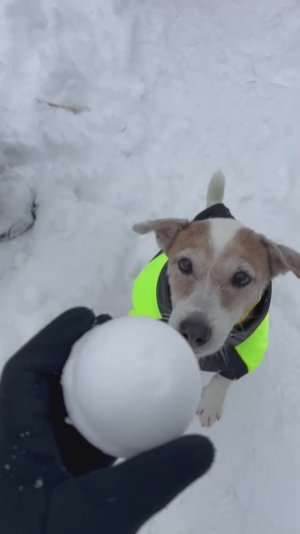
<point>212,399</point>
<point>215,190</point>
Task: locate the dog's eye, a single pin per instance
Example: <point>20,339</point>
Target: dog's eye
<point>185,265</point>
<point>241,279</point>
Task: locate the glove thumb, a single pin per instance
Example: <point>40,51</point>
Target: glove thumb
<point>118,500</point>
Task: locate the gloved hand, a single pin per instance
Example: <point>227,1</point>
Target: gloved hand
<point>51,480</point>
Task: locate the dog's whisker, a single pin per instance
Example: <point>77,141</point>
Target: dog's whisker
<point>165,309</point>
<point>165,316</point>
<point>165,313</point>
<point>237,336</point>
<point>224,354</point>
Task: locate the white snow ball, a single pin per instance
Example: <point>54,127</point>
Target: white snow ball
<point>131,384</point>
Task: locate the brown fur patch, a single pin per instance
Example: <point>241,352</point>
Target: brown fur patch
<point>195,235</point>
<point>248,246</point>
<point>281,258</point>
<point>194,238</point>
<point>246,249</point>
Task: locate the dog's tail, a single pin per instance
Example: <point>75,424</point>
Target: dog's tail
<point>215,190</point>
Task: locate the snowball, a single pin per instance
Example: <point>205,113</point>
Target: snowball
<point>131,384</point>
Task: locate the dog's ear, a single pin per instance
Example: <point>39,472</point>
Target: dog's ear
<point>282,259</point>
<point>165,230</point>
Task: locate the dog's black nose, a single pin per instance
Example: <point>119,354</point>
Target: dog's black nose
<point>196,330</point>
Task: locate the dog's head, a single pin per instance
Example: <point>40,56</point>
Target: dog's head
<point>218,271</point>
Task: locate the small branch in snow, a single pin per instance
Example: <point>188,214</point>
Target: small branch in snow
<point>73,109</point>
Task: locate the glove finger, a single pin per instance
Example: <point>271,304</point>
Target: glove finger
<point>120,499</point>
<point>25,386</point>
<point>48,350</point>
<point>78,456</point>
<point>151,480</point>
<point>100,319</point>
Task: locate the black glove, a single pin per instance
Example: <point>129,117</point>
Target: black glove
<point>51,480</point>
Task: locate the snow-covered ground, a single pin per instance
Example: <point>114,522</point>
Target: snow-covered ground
<point>161,94</point>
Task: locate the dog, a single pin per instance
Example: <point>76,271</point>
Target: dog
<point>211,281</point>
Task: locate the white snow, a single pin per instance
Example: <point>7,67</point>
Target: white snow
<point>164,93</point>
<point>131,384</point>
<point>16,206</point>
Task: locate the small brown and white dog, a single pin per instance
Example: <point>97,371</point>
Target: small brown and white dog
<point>218,275</point>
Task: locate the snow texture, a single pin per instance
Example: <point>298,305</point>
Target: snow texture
<point>130,385</point>
<point>113,111</point>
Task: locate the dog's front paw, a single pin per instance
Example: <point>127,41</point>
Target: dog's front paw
<point>212,400</point>
<point>209,410</point>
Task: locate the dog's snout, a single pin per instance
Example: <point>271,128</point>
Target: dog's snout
<point>196,330</point>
